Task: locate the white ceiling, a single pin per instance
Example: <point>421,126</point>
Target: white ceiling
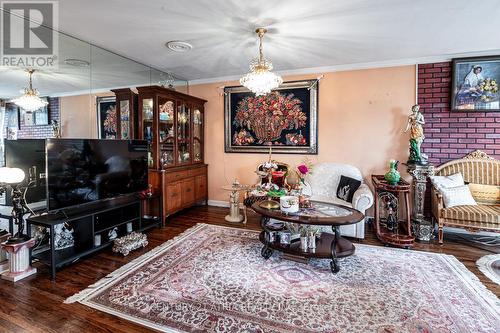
<point>303,34</point>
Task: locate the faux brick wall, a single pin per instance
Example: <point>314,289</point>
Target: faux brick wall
<point>37,132</point>
<point>449,134</point>
<point>40,132</point>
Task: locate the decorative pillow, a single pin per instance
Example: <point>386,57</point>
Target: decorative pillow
<point>347,187</point>
<point>441,182</point>
<point>457,196</point>
<point>485,194</point>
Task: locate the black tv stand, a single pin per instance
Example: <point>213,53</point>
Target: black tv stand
<point>87,222</point>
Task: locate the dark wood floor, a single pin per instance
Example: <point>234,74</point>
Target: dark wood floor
<point>36,304</point>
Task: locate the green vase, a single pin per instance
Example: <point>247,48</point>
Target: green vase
<point>393,176</point>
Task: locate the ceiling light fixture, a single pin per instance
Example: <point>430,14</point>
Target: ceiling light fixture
<point>30,101</point>
<point>261,80</point>
<point>179,46</point>
<point>77,62</point>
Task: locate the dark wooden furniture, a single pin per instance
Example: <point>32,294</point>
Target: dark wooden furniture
<point>328,246</point>
<point>173,124</point>
<point>401,235</point>
<point>87,222</point>
<point>126,113</point>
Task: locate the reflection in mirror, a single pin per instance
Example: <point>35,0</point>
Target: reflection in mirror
<point>90,92</point>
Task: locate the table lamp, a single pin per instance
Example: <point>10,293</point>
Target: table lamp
<point>13,177</point>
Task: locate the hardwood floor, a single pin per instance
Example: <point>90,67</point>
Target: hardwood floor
<point>36,304</point>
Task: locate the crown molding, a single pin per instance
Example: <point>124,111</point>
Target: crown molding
<point>355,66</point>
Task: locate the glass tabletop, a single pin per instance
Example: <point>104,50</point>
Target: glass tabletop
<point>322,209</point>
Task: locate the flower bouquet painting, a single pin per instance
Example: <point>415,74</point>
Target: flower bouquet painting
<point>107,117</point>
<point>285,119</point>
<point>476,84</point>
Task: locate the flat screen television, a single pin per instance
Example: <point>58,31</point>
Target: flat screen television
<point>28,155</point>
<point>81,171</point>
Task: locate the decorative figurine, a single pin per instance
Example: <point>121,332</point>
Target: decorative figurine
<point>393,176</point>
<point>414,125</point>
<point>56,128</point>
<point>63,236</point>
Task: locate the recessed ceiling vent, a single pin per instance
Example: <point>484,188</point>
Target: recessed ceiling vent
<point>76,62</point>
<point>178,46</point>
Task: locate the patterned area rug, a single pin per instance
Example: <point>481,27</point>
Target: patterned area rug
<point>490,266</point>
<point>213,279</point>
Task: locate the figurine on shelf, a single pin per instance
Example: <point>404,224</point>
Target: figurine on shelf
<point>415,126</point>
<point>56,128</point>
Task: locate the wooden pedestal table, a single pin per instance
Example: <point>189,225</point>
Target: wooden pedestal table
<point>387,226</point>
<point>328,246</point>
<point>234,202</point>
<point>19,262</point>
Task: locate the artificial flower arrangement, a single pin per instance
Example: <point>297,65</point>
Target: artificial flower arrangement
<point>267,116</point>
<point>303,170</point>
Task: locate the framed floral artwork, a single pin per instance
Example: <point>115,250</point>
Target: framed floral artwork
<point>475,84</point>
<point>285,119</point>
<point>106,117</point>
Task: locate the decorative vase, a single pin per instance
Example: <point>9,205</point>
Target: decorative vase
<point>393,176</point>
<point>312,242</point>
<point>304,243</point>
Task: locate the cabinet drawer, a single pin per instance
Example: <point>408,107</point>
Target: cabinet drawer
<point>177,175</point>
<point>173,197</point>
<point>197,171</point>
<point>188,191</point>
<point>200,184</point>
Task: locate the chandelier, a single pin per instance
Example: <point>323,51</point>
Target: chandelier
<point>30,101</point>
<point>261,80</point>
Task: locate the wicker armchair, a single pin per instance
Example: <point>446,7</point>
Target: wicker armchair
<point>476,168</point>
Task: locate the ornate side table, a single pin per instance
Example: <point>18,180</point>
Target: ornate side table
<point>234,202</point>
<point>422,229</point>
<point>387,207</point>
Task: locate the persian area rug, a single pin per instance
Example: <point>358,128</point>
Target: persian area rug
<point>490,266</point>
<point>213,279</point>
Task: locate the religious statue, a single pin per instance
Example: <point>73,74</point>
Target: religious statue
<point>415,126</point>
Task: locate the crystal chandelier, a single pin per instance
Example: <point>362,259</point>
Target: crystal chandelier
<point>30,101</point>
<point>261,80</point>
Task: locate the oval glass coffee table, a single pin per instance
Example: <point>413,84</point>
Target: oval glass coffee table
<point>328,246</point>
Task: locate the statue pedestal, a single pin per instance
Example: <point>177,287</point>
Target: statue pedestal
<point>4,262</point>
<point>19,262</point>
<point>422,229</point>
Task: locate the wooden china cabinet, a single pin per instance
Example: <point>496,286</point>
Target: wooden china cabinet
<point>173,124</point>
<point>126,116</point>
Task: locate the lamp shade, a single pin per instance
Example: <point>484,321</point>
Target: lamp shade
<point>11,175</point>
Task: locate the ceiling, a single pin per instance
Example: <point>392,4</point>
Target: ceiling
<point>302,34</point>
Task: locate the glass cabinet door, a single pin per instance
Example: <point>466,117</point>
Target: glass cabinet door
<point>166,132</point>
<point>148,128</point>
<point>183,134</point>
<point>197,135</point>
<point>125,119</point>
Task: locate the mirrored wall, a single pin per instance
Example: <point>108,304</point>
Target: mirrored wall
<point>80,91</point>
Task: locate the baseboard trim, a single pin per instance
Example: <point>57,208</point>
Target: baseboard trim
<point>218,203</point>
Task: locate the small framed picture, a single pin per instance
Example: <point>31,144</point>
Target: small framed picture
<point>475,84</point>
<point>29,118</point>
<point>12,115</point>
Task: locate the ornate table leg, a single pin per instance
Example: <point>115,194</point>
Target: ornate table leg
<point>334,265</point>
<point>266,251</point>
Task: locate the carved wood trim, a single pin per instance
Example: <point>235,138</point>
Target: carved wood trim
<point>477,155</point>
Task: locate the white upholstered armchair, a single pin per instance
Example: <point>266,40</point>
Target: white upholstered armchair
<point>324,182</point>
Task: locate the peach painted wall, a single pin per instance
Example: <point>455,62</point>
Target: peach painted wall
<point>361,117</point>
<point>79,115</point>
